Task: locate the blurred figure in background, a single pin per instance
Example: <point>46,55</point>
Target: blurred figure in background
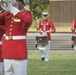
<point>73,29</point>
<point>44,26</point>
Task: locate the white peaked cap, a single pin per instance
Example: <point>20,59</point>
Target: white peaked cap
<point>45,13</point>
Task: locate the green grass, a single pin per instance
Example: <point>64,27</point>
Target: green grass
<point>60,63</point>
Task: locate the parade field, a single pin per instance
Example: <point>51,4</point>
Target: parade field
<point>60,63</point>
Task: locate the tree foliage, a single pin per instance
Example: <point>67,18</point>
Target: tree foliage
<point>38,6</point>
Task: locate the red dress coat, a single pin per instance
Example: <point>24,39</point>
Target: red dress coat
<point>46,25</point>
<point>17,25</point>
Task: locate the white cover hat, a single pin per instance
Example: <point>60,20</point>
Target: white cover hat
<point>45,13</point>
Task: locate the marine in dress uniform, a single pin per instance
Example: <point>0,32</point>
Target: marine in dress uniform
<point>15,51</point>
<point>73,29</point>
<point>44,26</point>
<point>2,31</point>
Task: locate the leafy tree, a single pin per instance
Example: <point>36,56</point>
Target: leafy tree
<point>38,6</point>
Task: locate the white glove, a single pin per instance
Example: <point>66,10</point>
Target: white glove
<point>12,9</point>
<point>6,1</point>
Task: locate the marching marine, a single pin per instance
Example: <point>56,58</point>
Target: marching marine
<point>73,29</point>
<point>17,23</point>
<point>44,26</point>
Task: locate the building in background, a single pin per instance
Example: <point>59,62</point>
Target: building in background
<point>63,12</point>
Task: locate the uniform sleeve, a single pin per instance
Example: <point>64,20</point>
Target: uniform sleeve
<point>72,29</point>
<point>2,27</point>
<point>38,26</point>
<point>26,18</point>
<point>2,18</point>
<point>2,32</point>
<point>52,26</point>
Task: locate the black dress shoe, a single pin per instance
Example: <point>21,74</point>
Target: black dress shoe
<point>72,46</point>
<point>43,58</point>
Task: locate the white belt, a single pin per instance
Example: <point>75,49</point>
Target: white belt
<point>15,37</point>
<point>45,31</point>
<point>48,31</point>
<point>0,42</point>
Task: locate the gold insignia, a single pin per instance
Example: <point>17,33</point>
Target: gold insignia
<point>17,20</point>
<point>9,37</point>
